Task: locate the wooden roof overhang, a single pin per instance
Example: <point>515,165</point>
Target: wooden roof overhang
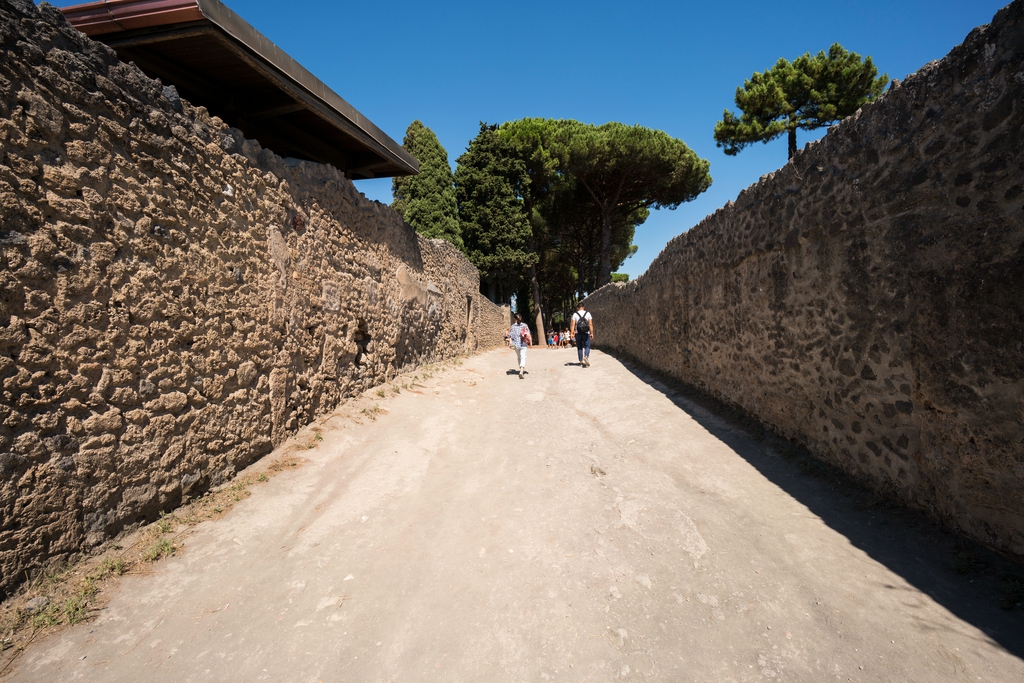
<point>217,60</point>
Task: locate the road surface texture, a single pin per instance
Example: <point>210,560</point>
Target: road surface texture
<point>580,525</point>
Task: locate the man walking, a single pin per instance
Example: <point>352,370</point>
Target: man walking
<point>583,330</point>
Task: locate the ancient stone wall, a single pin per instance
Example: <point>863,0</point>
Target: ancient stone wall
<point>867,299</point>
<point>174,301</point>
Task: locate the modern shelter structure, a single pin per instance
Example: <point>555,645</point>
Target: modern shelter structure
<point>217,60</point>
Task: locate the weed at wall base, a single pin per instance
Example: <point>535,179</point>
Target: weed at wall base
<point>162,548</point>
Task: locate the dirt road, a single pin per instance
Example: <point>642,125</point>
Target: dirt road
<point>582,524</point>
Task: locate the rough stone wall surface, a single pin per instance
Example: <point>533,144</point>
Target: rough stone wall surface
<point>867,299</point>
<point>174,301</point>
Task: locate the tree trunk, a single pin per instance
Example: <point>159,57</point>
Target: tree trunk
<point>792,141</point>
<point>536,303</point>
<point>604,272</point>
<point>523,301</point>
<point>534,283</point>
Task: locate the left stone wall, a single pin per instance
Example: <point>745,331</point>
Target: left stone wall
<point>175,300</point>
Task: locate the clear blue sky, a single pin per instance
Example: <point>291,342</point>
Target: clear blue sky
<point>673,66</point>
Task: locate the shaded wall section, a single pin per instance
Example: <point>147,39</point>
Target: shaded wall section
<point>175,301</point>
<point>868,298</point>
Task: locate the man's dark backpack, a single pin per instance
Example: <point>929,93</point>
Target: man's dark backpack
<point>582,324</point>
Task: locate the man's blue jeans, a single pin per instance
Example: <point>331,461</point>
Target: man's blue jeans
<point>583,345</point>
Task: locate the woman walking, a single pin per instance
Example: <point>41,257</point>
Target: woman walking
<point>519,339</point>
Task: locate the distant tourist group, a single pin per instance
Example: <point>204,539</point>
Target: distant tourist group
<point>581,330</point>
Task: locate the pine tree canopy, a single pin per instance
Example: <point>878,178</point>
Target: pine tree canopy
<point>810,92</point>
<point>549,207</point>
<point>628,169</point>
<point>427,201</point>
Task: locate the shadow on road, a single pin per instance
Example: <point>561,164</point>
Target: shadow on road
<point>974,583</point>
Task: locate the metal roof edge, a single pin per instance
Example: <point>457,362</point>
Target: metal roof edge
<point>231,23</point>
<point>108,16</point>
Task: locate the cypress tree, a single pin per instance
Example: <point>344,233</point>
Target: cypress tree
<point>427,201</point>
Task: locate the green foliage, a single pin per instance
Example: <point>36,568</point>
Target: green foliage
<point>560,201</point>
<point>535,144</point>
<point>530,142</point>
<point>488,183</point>
<point>573,226</point>
<point>627,170</point>
<point>809,92</point>
<point>620,277</point>
<point>427,201</point>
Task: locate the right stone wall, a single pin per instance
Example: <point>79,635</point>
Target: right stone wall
<point>867,299</point>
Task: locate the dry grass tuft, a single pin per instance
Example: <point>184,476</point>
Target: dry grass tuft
<point>73,591</point>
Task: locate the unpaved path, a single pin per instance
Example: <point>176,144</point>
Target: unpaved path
<point>578,525</point>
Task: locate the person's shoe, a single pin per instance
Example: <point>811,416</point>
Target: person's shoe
<point>520,373</point>
<point>586,361</point>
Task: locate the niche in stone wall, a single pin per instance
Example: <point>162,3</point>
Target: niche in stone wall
<point>364,343</point>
